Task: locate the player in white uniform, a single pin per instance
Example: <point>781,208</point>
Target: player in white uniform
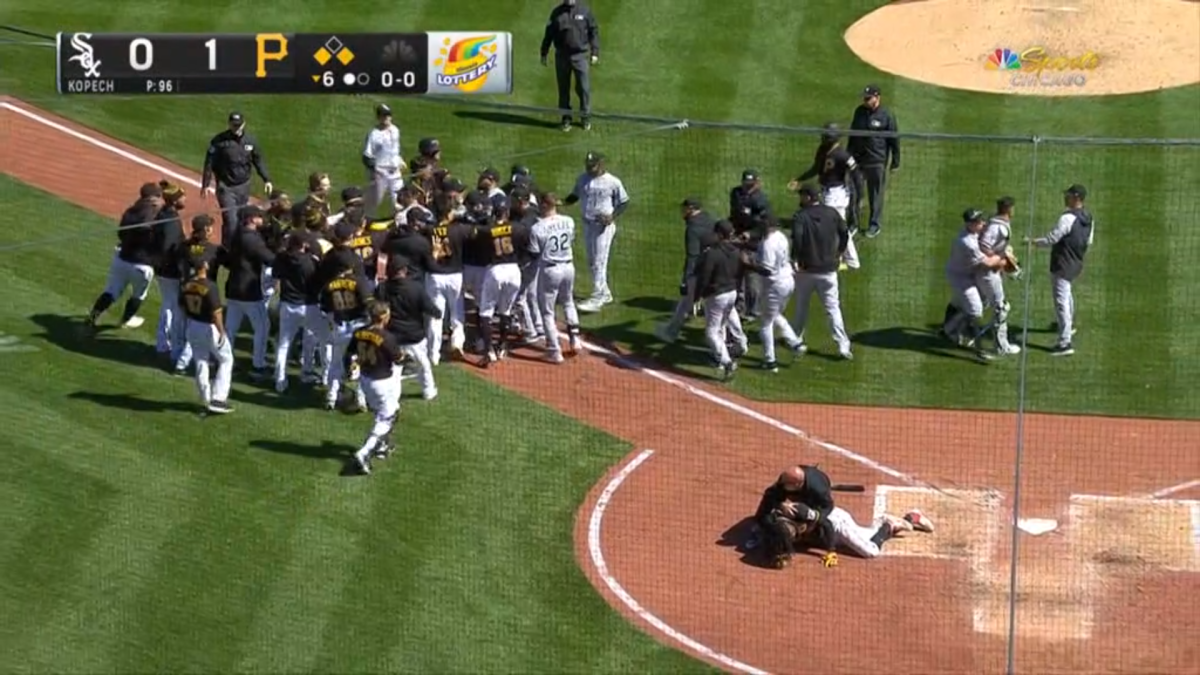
<point>966,262</point>
<point>775,263</point>
<point>552,240</point>
<point>604,199</point>
<point>385,165</point>
<point>994,240</point>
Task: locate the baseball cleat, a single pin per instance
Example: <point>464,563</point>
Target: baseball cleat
<point>846,355</point>
<point>727,370</point>
<point>310,378</point>
<point>281,386</point>
<point>258,374</point>
<point>589,306</point>
<point>458,353</point>
<point>554,357</point>
<point>919,521</point>
<point>573,347</point>
<point>429,395</point>
<point>781,561</point>
<point>666,334</point>
<point>133,322</point>
<point>363,464</point>
<point>382,451</point>
<point>331,405</point>
<point>219,407</point>
<point>1008,350</point>
<point>770,366</point>
<point>898,525</point>
<point>983,356</point>
<point>873,231</point>
<point>1063,350</point>
<point>587,125</point>
<point>179,372</point>
<point>565,125</point>
<point>799,349</point>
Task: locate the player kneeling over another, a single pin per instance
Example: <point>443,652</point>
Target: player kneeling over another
<point>375,352</point>
<point>797,513</point>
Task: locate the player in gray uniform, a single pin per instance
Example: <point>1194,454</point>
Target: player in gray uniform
<point>994,240</point>
<point>551,240</point>
<point>1068,242</point>
<point>966,263</point>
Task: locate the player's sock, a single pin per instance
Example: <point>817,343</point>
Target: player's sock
<point>951,310</point>
<point>102,303</point>
<point>132,306</point>
<point>505,328</point>
<point>882,534</point>
<point>485,334</point>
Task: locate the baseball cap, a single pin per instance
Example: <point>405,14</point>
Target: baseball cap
<point>1076,190</point>
<point>519,193</point>
<point>202,222</point>
<point>149,190</point>
<point>277,194</point>
<point>251,211</point>
<point>749,175</point>
<point>593,158</point>
<point>382,109</point>
<point>972,215</point>
<point>344,230</point>
<point>519,170</point>
<point>428,146</point>
<point>396,263</point>
<point>831,130</point>
<point>491,174</point>
<point>522,180</point>
<point>692,203</point>
<point>501,203</point>
<point>352,194</point>
<point>723,228</point>
<point>809,190</point>
<point>236,118</point>
<point>871,90</point>
<point>420,216</point>
<point>453,185</point>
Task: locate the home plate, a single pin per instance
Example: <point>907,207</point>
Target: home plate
<point>1036,526</point>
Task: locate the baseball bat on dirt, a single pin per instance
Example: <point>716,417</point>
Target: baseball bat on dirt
<point>848,487</point>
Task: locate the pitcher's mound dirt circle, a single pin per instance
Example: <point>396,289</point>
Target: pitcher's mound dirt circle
<point>1035,47</point>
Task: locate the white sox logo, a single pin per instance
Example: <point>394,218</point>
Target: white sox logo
<point>84,54</point>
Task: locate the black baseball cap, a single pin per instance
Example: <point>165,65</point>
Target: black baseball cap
<point>396,263</point>
<point>420,216</point>
<point>871,90</point>
<point>809,190</point>
<point>723,228</point>
<point>1076,190</point>
<point>202,222</point>
<point>519,193</point>
<point>382,110</point>
<point>522,180</point>
<point>149,190</point>
<point>236,118</point>
<point>453,185</point>
<point>831,131</point>
<point>491,174</point>
<point>593,158</point>
<point>251,211</point>
<point>972,215</point>
<point>344,230</point>
<point>520,170</point>
<point>750,175</point>
<point>352,194</point>
<point>429,146</point>
<point>691,203</point>
<point>1005,202</point>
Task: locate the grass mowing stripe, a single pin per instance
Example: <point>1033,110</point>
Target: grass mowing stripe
<point>1183,277</point>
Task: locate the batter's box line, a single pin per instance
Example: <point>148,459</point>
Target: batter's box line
<point>988,499</point>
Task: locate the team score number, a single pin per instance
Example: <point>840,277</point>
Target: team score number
<point>441,248</point>
<point>343,300</point>
<point>407,79</point>
<point>366,353</point>
<point>558,242</point>
<point>503,246</point>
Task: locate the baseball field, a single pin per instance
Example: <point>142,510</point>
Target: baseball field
<point>588,517</point>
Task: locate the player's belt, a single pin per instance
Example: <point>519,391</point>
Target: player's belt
<point>555,264</point>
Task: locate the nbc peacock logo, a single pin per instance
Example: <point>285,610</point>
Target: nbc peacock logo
<point>466,63</point>
<point>1003,59</point>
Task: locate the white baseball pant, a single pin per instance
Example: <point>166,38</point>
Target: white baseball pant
<point>123,274</point>
<point>555,286</point>
<point>1064,308</point>
<point>964,295</point>
<point>204,343</point>
<point>382,186</point>
<point>528,304</point>
<point>839,199</point>
<point>991,290</point>
<point>260,323</point>
<point>446,292</point>
<point>721,318</point>
<point>419,352</point>
<point>293,319</point>
<point>382,397</point>
<point>501,285</point>
<point>338,337</point>
<point>826,287</point>
<point>779,290</point>
<point>597,243</point>
<point>853,536</point>
<point>172,322</point>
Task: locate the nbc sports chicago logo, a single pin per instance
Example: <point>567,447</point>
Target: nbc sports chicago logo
<point>1038,67</point>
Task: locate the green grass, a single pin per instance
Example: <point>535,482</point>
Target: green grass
<point>141,538</point>
<point>1139,332</point>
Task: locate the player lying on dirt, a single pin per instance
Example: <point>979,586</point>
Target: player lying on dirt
<point>797,513</point>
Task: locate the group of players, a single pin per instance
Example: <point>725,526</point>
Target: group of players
<point>366,296</point>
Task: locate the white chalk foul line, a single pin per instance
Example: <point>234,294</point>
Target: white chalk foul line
<point>1168,491</point>
<point>597,555</point>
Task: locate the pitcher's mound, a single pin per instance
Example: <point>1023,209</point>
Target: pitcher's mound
<point>1035,47</point>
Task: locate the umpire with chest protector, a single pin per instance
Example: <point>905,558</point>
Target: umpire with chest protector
<point>232,158</point>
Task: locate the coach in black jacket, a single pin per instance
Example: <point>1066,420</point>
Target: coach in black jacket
<point>412,308</point>
<point>819,237</point>
<point>249,255</point>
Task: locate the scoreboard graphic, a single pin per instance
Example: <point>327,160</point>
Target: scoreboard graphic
<point>438,63</point>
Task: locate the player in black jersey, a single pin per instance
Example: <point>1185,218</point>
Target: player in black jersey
<point>343,300</point>
<point>837,173</point>
<point>133,265</point>
<point>448,240</point>
<point>500,244</point>
<point>296,270</point>
<point>373,350</point>
<point>206,338</point>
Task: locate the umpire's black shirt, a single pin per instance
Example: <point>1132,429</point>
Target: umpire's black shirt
<point>411,307</point>
<point>874,150</point>
<point>136,234</point>
<point>168,238</point>
<point>816,494</point>
<point>248,255</point>
<point>819,237</point>
<point>572,30</point>
<point>232,158</point>
<point>296,272</point>
<point>695,227</point>
<point>748,209</point>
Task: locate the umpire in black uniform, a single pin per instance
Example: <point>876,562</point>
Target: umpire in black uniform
<point>574,33</point>
<point>874,153</point>
<point>232,155</point>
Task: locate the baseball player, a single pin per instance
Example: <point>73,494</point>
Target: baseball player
<point>719,269</point>
<point>407,203</point>
<point>343,300</point>
<point>198,248</point>
<point>207,338</point>
<point>477,212</point>
<point>994,240</point>
<point>383,160</point>
<point>775,265</point>
<point>374,352</point>
<point>1068,242</point>
<point>697,223</point>
<point>502,277</point>
<point>444,284</point>
<point>522,176</point>
<point>835,169</point>
<point>410,311</point>
<point>489,184</point>
<point>317,198</point>
<point>168,237</point>
<point>604,200</point>
<point>525,211</point>
<point>248,258</point>
<point>797,511</point>
<point>133,263</point>
<point>296,270</point>
<point>967,261</point>
<point>819,240</point>
<point>552,241</point>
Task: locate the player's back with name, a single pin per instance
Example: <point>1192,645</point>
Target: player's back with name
<point>503,242</point>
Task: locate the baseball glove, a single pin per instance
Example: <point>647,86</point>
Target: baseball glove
<point>829,560</point>
<point>1011,264</point>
